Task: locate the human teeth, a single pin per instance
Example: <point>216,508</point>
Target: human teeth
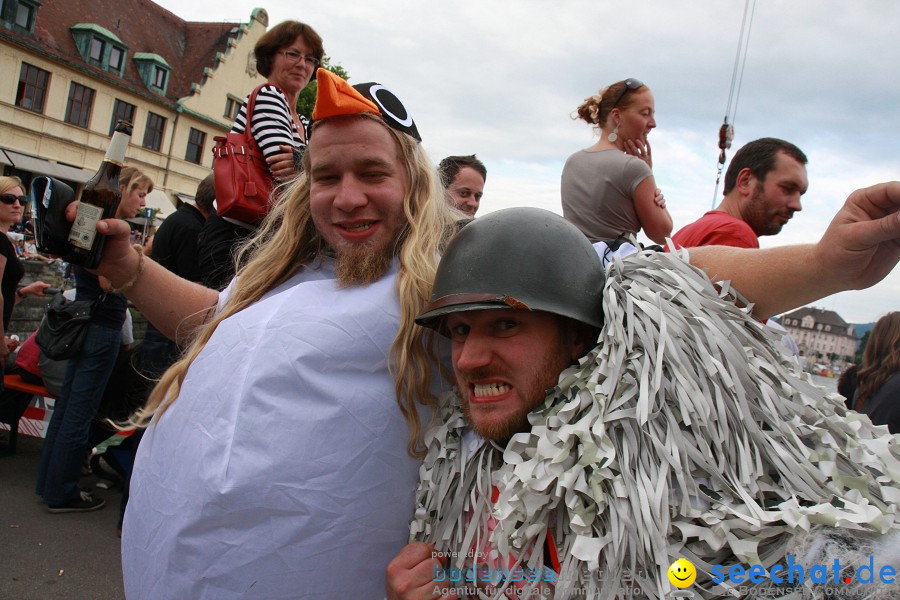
<point>491,389</point>
<point>361,227</point>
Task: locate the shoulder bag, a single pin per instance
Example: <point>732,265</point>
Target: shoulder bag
<point>61,333</point>
<point>242,180</point>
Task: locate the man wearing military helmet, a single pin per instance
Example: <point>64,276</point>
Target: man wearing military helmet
<point>600,427</point>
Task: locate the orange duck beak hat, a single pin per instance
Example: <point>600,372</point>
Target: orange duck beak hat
<point>335,97</point>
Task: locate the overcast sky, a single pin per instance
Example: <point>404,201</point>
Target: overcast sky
<point>502,79</point>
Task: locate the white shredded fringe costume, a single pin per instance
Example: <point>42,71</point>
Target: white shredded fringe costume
<point>685,433</point>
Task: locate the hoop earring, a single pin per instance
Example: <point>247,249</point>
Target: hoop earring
<point>613,135</point>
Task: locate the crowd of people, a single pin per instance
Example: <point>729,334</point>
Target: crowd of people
<point>372,387</point>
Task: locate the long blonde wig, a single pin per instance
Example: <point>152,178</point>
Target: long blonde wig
<point>288,241</point>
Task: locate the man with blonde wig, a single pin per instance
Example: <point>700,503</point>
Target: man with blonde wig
<point>276,462</point>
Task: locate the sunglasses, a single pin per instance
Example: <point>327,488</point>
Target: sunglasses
<point>10,199</point>
<point>630,85</point>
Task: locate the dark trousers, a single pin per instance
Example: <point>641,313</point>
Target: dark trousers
<point>65,446</point>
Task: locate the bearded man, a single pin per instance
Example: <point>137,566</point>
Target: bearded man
<point>763,186</point>
<point>276,461</point>
<point>679,432</point>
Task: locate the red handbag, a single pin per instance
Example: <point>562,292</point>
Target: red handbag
<point>243,183</point>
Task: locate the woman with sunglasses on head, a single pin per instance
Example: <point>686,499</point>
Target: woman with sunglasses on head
<point>66,443</point>
<point>12,208</point>
<point>287,56</point>
<point>608,189</point>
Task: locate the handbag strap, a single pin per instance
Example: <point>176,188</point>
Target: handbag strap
<point>251,105</point>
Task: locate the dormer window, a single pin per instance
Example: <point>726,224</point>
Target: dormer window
<point>96,53</point>
<point>115,59</point>
<point>24,15</point>
<point>99,47</point>
<point>154,71</point>
<point>159,77</point>
<point>19,15</point>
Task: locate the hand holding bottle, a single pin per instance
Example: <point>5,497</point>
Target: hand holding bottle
<point>120,260</point>
<point>99,200</point>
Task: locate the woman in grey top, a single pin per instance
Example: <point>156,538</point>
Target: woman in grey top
<point>608,189</point>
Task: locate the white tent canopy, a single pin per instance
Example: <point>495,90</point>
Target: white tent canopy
<point>164,201</point>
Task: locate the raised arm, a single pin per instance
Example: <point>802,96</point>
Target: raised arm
<point>174,305</point>
<point>859,248</point>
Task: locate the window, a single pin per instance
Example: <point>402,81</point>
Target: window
<point>78,109</point>
<point>96,50</point>
<point>100,47</point>
<point>24,16</point>
<point>19,15</point>
<point>159,77</point>
<point>115,59</point>
<point>232,106</point>
<point>32,88</point>
<point>153,133</point>
<point>196,140</point>
<point>122,111</point>
<point>154,71</point>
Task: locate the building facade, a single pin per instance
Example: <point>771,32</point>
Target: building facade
<point>821,335</point>
<point>75,67</point>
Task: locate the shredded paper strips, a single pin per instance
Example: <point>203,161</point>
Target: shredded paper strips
<point>685,433</point>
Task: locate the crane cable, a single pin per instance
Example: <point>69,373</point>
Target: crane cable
<point>726,131</point>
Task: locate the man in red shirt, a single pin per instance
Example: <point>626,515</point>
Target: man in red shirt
<point>762,191</point>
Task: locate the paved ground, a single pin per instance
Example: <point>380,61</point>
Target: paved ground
<point>43,556</point>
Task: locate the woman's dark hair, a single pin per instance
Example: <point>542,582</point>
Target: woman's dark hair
<point>846,385</point>
<point>881,358</point>
<point>282,36</point>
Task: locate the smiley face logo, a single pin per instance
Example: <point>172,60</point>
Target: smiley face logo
<point>682,573</point>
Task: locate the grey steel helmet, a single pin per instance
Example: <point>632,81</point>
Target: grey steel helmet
<point>522,258</point>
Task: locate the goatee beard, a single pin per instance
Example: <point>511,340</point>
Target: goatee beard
<point>363,266</point>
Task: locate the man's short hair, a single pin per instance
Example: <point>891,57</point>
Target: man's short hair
<point>759,156</point>
<point>450,166</point>
<point>206,193</point>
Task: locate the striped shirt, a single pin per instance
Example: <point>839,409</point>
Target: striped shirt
<point>271,124</point>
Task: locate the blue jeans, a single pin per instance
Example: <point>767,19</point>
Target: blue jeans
<point>65,445</point>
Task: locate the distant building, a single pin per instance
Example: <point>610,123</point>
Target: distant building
<point>74,67</point>
<point>821,335</point>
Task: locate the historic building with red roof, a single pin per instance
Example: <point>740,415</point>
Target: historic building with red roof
<point>74,67</point>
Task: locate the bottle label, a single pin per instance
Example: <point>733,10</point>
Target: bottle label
<point>84,228</point>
